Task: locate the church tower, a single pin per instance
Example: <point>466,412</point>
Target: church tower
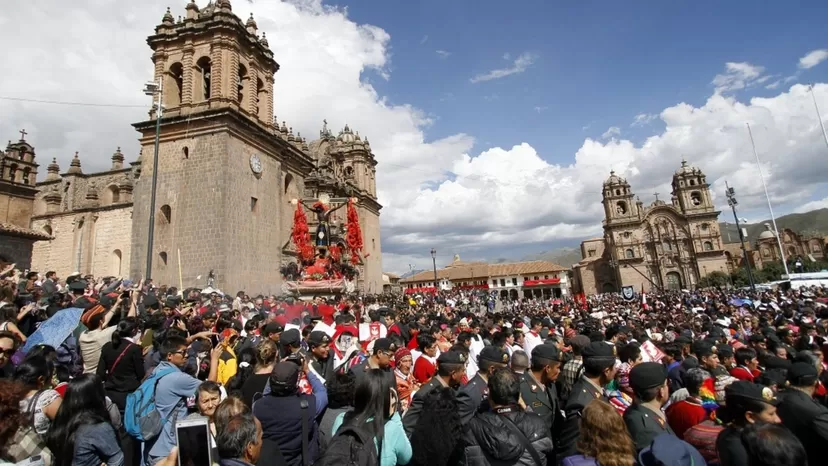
<point>691,192</point>
<point>618,200</point>
<point>226,171</point>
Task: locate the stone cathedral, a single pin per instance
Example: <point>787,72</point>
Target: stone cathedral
<point>227,172</point>
<point>662,245</point>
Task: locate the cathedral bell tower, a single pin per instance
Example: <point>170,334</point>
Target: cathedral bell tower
<point>226,171</point>
<point>618,200</point>
<point>691,191</point>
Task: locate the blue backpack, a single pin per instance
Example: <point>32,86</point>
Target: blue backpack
<point>141,417</point>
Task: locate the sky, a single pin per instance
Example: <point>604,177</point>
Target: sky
<point>494,124</point>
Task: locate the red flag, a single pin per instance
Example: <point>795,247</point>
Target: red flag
<point>643,298</point>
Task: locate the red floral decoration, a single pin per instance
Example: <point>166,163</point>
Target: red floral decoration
<point>335,252</point>
<point>301,235</point>
<point>354,237</point>
<point>319,205</point>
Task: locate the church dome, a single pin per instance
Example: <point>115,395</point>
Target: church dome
<point>346,136</point>
<point>768,233</point>
<point>614,179</point>
<point>686,169</point>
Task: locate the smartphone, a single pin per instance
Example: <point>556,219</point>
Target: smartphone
<point>194,442</point>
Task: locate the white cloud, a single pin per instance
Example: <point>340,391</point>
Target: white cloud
<point>774,84</point>
<point>521,64</point>
<point>739,76</point>
<point>611,132</point>
<point>812,205</point>
<point>424,40</point>
<point>643,119</point>
<point>443,53</point>
<point>541,108</point>
<point>813,58</point>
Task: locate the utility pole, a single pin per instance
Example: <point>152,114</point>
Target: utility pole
<point>434,262</point>
<point>732,202</point>
<point>153,89</point>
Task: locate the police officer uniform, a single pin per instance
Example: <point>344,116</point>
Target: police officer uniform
<point>643,423</point>
<point>323,368</point>
<point>542,398</point>
<point>411,416</point>
<point>583,391</point>
<point>474,396</point>
<point>729,444</point>
<point>803,415</point>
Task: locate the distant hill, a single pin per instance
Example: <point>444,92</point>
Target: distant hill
<point>814,222</point>
<point>411,273</point>
<point>565,257</point>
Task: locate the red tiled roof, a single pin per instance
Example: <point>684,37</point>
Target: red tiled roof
<point>14,230</point>
<point>480,270</point>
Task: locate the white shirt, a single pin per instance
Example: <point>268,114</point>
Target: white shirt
<point>530,341</point>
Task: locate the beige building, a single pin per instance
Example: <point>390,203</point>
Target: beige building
<point>657,246</point>
<point>540,279</point>
<point>227,172</point>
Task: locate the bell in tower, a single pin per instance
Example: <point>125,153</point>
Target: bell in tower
<point>691,190</point>
<point>618,199</point>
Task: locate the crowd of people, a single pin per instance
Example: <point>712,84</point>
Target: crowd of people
<point>712,376</point>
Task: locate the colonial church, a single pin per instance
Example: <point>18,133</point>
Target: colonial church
<point>668,246</point>
<point>227,172</point>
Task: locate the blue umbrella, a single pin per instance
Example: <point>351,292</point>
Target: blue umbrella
<point>56,329</point>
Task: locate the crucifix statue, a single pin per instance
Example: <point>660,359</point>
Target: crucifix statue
<point>321,207</point>
<point>656,196</point>
<point>23,134</point>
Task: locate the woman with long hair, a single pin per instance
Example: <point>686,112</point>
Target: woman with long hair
<point>121,366</point>
<point>438,430</point>
<point>375,409</point>
<point>246,365</point>
<point>604,439</point>
<point>41,402</point>
<point>18,440</point>
<point>266,354</point>
<point>82,434</point>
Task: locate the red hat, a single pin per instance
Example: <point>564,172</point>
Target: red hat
<point>401,353</point>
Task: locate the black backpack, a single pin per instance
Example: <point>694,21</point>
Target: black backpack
<point>351,446</point>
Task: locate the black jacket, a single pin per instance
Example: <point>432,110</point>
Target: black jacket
<point>582,393</point>
<point>411,416</point>
<point>489,441</point>
<point>127,374</point>
<point>808,420</point>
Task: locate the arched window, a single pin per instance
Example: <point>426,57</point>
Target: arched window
<point>186,152</point>
<point>166,213</point>
<point>261,99</point>
<point>696,198</point>
<point>765,252</point>
<point>47,229</point>
<point>26,172</point>
<point>629,254</point>
<point>617,192</point>
<point>112,195</point>
<point>621,207</point>
<point>349,172</point>
<point>242,84</point>
<point>202,89</point>
<point>116,263</point>
<point>708,246</point>
<point>692,182</point>
<point>12,173</point>
<point>163,256</point>
<point>288,181</point>
<point>667,246</point>
<point>174,87</point>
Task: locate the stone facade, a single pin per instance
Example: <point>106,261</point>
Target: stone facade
<point>658,246</point>
<point>18,173</point>
<point>226,176</point>
<point>89,218</point>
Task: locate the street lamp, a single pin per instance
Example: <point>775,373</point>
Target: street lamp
<point>154,89</point>
<point>434,262</point>
<point>732,202</point>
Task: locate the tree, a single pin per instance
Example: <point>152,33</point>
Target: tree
<point>740,278</point>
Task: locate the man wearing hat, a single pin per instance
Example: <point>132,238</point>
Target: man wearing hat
<point>598,370</point>
<point>800,413</point>
<point>381,358</point>
<point>320,360</point>
<point>747,403</point>
<point>451,367</point>
<point>537,385</point>
<point>644,417</point>
<point>289,343</point>
<point>473,397</point>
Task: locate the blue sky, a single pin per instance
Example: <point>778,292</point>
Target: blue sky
<point>599,63</point>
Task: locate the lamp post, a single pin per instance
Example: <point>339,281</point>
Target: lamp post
<point>154,89</point>
<point>434,262</point>
<point>732,202</point>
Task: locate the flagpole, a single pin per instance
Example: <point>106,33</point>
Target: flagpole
<point>770,208</point>
<point>819,116</point>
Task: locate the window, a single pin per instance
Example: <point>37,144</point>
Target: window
<point>502,282</point>
<point>514,281</point>
<point>591,253</point>
<point>692,182</point>
<point>204,66</point>
<point>617,192</point>
<point>186,152</point>
<point>765,252</point>
<point>288,180</point>
<point>536,277</point>
<point>163,256</point>
<point>116,263</point>
<point>546,277</point>
<point>696,198</point>
<point>621,207</point>
<point>174,87</point>
<point>261,97</point>
<point>667,246</point>
<point>47,229</point>
<point>254,205</point>
<point>26,172</point>
<point>704,227</point>
<point>708,246</point>
<point>241,86</point>
<point>166,213</point>
<point>629,254</point>
<point>815,247</point>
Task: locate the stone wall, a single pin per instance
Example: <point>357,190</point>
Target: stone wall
<point>17,250</point>
<point>15,210</point>
<point>372,279</point>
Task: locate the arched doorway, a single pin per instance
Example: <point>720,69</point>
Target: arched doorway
<point>673,281</point>
<point>513,293</point>
<point>608,288</point>
<point>504,294</point>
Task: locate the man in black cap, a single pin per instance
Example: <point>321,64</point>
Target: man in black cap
<point>289,343</point>
<point>747,403</point>
<point>800,413</point>
<point>381,357</point>
<point>273,331</point>
<point>78,288</point>
<point>537,385</point>
<point>320,360</point>
<point>451,367</point>
<point>472,398</point>
<point>644,418</point>
<point>598,370</point>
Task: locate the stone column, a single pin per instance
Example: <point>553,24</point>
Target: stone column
<point>189,76</point>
